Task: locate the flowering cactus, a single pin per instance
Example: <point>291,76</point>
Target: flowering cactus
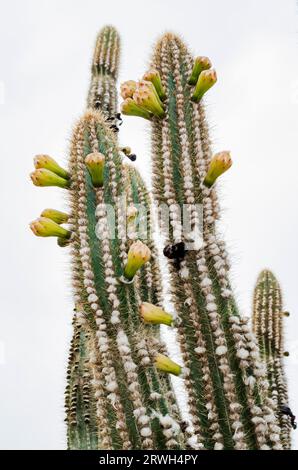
<point>116,398</point>
<point>223,374</point>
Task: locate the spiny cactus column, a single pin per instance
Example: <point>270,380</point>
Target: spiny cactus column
<point>80,402</point>
<point>113,282</point>
<point>268,316</point>
<point>115,300</point>
<point>102,95</point>
<point>105,64</point>
<point>224,377</point>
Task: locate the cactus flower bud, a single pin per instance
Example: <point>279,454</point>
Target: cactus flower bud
<point>56,216</point>
<point>154,77</point>
<point>44,161</point>
<point>165,364</point>
<point>128,88</point>
<point>286,314</point>
<point>44,227</point>
<point>146,96</point>
<point>201,63</point>
<point>130,108</point>
<point>138,255</point>
<point>286,353</point>
<point>131,213</point>
<point>44,177</point>
<point>220,163</point>
<point>206,80</point>
<point>156,315</point>
<point>95,164</point>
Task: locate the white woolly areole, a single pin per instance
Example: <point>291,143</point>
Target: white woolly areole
<point>220,350</point>
<point>218,446</point>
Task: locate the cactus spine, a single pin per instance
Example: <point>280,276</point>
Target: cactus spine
<point>268,319</point>
<point>224,377</point>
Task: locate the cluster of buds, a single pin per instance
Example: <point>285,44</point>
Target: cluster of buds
<point>202,77</point>
<point>220,163</point>
<point>144,98</point>
<point>95,163</point>
<point>138,255</point>
<point>49,173</point>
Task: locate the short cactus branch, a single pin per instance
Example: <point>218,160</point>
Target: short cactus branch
<point>268,319</point>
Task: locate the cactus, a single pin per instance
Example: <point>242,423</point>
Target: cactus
<point>268,319</point>
<point>119,394</point>
<point>224,376</point>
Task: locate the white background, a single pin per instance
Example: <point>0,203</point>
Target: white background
<point>45,54</point>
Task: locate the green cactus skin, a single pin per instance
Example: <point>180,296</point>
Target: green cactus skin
<point>225,379</point>
<point>268,327</point>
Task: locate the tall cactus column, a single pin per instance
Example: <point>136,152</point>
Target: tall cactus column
<point>268,319</point>
<point>113,283</point>
<point>224,377</point>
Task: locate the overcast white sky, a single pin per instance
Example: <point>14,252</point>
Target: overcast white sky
<point>45,49</point>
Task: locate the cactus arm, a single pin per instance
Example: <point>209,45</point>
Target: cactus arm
<point>136,422</point>
<point>227,402</point>
<point>115,303</point>
<point>268,319</point>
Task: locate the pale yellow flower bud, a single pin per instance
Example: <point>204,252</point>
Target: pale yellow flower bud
<point>95,163</point>
<point>57,216</point>
<point>206,80</point>
<point>220,163</point>
<point>44,177</point>
<point>47,162</point>
<point>128,88</point>
<point>165,364</point>
<point>200,63</point>
<point>130,108</point>
<point>154,77</point>
<point>138,255</point>
<point>43,227</point>
<point>156,315</point>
